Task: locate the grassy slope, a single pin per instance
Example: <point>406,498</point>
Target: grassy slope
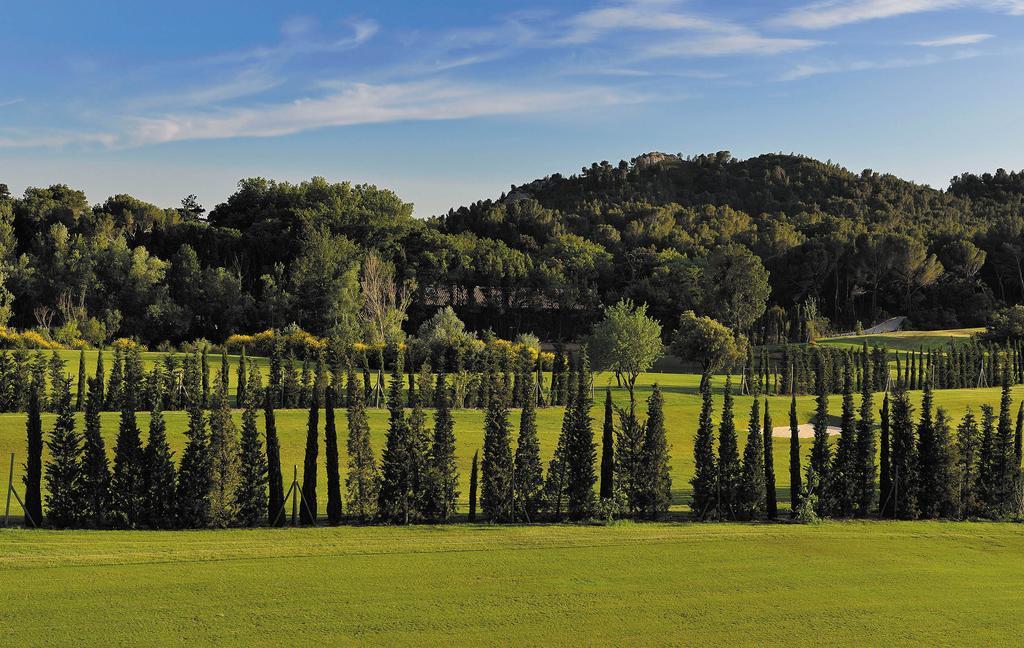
<point>682,404</point>
<point>834,584</point>
<point>905,340</point>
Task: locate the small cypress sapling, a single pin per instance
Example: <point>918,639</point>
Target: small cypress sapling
<point>63,470</point>
<point>608,449</point>
<point>771,506</point>
<point>275,481</point>
<point>251,501</point>
<point>705,473</point>
<point>82,378</point>
<point>473,486</point>
<point>159,478</point>
<point>334,504</point>
<point>795,474</point>
<point>34,462</point>
<point>94,483</point>
<point>308,507</point>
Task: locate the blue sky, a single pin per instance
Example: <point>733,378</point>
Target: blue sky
<point>450,102</point>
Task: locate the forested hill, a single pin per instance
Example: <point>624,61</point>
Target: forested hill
<point>759,244</point>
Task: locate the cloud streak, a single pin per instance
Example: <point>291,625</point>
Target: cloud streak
<point>836,13</point>
<point>804,71</point>
<point>963,39</point>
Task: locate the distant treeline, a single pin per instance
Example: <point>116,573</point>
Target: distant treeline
<point>779,247</point>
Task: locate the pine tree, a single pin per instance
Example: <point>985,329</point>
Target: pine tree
<point>885,503</point>
<point>529,472</point>
<point>608,449</point>
<point>394,501</point>
<point>275,481</point>
<point>821,454</point>
<point>729,467</point>
<point>580,449</point>
<point>795,476</point>
<point>771,505</point>
<point>657,472</point>
<point>903,456</point>
<point>224,458</point>
<point>473,486</point>
<point>95,478</point>
<point>752,484</point>
<point>251,501</point>
<point>195,474</point>
<point>159,478</point>
<point>705,472</point>
<point>362,482</point>
<point>968,442</point>
<point>308,507</point>
<point>82,378</point>
<point>334,504</point>
<point>34,463</point>
<point>127,484</point>
<point>444,471</point>
<point>63,470</point>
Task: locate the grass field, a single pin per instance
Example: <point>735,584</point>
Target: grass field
<point>872,583</point>
<point>682,404</point>
<point>905,340</point>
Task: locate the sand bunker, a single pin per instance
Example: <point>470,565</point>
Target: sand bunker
<point>805,431</point>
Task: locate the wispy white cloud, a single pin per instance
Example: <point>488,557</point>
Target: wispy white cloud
<point>835,13</point>
<point>963,39</point>
<point>741,42</point>
<point>649,15</point>
<point>11,102</point>
<point>353,104</point>
<point>806,70</point>
<point>299,38</point>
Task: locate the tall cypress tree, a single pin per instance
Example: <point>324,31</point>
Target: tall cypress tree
<point>1018,437</point>
<point>34,462</point>
<point>362,481</point>
<point>497,465</point>
<point>473,478</point>
<point>608,449</point>
<point>771,505</point>
<point>555,480</point>
<point>308,508</point>
<point>101,381</point>
<point>795,475</point>
<point>195,474</point>
<point>864,470</point>
<point>275,481</point>
<point>334,505</point>
<point>251,494</point>
<point>444,472</point>
<point>968,442</point>
<point>241,390</point>
<point>903,456</point>
<point>821,453</point>
<point>1004,471</point>
<point>82,378</point>
<point>394,501</point>
<point>657,473</point>
<point>529,473</point>
<point>752,485</point>
<point>116,381</point>
<point>127,482</point>
<point>224,458</point>
<point>705,472</point>
<point>204,373</point>
<point>729,467</point>
<point>420,437</point>
<point>581,451</point>
<point>159,479</point>
<point>63,470</point>
<point>95,479</point>
<point>225,370</point>
<point>930,482</point>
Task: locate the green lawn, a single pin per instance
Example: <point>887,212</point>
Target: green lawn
<point>681,408</point>
<point>906,340</point>
<point>868,583</point>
